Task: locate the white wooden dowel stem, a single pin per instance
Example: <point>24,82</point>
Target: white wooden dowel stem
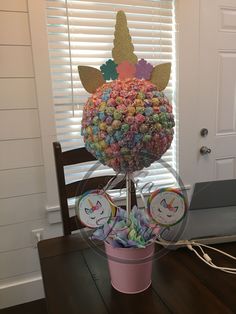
<point>128,194</point>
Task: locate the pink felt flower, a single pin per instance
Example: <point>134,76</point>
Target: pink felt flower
<point>126,70</point>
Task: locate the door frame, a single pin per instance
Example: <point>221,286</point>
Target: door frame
<point>188,62</point>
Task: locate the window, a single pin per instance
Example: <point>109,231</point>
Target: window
<point>81,33</point>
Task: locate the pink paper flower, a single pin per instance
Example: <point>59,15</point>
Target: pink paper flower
<point>126,70</point>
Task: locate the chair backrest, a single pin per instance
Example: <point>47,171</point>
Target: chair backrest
<point>66,191</point>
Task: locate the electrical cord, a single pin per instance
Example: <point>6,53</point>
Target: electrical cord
<point>207,260</point>
<point>204,257</point>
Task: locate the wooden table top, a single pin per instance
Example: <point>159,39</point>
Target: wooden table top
<point>76,280</point>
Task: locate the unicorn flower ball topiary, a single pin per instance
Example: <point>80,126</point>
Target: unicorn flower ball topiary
<point>127,123</point>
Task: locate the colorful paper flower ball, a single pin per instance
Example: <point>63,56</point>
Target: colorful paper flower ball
<point>128,124</point>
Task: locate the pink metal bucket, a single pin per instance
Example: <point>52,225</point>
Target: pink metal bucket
<point>130,268</point>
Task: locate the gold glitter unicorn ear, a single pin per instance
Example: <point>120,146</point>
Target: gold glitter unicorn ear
<point>161,75</point>
<point>91,78</point>
<point>123,48</point>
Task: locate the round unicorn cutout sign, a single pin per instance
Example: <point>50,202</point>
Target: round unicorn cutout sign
<point>167,207</point>
<point>94,208</point>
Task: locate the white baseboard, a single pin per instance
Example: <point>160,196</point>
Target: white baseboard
<point>21,289</point>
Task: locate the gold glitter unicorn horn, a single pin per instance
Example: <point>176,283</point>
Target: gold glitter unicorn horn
<point>123,48</point>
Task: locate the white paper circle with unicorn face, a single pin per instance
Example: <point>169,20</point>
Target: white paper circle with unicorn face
<point>167,207</point>
<point>94,208</point>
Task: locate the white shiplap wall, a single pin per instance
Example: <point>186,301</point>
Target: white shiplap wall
<point>22,179</point>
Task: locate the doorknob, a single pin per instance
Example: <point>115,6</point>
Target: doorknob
<point>204,132</point>
<point>205,150</point>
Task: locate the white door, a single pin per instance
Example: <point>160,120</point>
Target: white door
<point>207,96</point>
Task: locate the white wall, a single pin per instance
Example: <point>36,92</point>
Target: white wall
<point>22,179</point>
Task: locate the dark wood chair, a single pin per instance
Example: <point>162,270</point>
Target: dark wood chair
<point>67,191</point>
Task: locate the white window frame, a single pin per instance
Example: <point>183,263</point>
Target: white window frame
<point>38,25</point>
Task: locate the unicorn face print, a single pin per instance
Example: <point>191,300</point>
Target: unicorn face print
<point>94,209</point>
<point>166,207</point>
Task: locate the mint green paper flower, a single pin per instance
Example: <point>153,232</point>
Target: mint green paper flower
<point>108,70</point>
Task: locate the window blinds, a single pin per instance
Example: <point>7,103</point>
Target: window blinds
<point>81,32</point>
